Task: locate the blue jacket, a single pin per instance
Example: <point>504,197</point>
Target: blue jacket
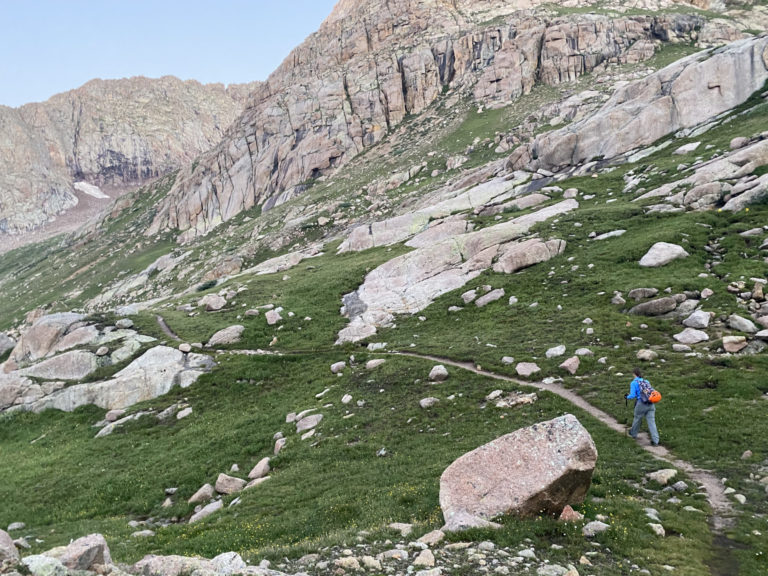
<point>634,389</point>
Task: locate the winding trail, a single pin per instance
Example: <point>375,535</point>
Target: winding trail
<point>166,329</point>
<point>723,514</point>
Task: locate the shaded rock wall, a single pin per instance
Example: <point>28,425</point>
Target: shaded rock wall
<point>372,64</point>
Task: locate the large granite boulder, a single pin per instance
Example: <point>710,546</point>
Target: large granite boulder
<point>38,340</point>
<point>228,335</point>
<point>662,253</point>
<point>73,365</point>
<point>655,307</point>
<point>150,375</point>
<point>7,548</point>
<point>532,471</point>
<point>85,553</point>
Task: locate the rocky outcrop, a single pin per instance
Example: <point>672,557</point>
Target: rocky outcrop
<point>409,283</point>
<point>152,374</point>
<point>107,133</point>
<point>352,82</point>
<point>681,95</point>
<point>532,471</point>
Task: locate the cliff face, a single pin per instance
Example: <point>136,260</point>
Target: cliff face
<point>373,63</point>
<point>108,133</point>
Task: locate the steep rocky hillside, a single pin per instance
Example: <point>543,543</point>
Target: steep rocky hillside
<point>374,64</point>
<point>415,361</point>
<point>110,134</point>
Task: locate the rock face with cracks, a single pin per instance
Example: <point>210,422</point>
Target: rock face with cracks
<point>532,471</point>
<point>370,66</point>
<point>681,95</point>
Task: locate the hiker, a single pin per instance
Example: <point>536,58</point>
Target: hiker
<point>643,409</point>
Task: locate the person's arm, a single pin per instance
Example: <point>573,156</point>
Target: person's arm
<point>634,389</point>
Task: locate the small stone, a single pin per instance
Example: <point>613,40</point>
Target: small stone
<point>570,515</point>
<point>185,347</point>
<point>507,360</point>
<point>124,323</point>
<point>143,534</point>
<point>372,364</point>
<point>646,355</point>
<point>371,563</point>
<point>707,293</point>
<point>428,402</point>
<point>432,538</point>
<point>662,476</point>
<point>745,456</point>
<point>593,528</point>
<point>740,498</point>
<point>279,445</point>
<point>348,563</point>
<point>438,373</point>
<point>338,367</point>
<point>680,486</point>
<point>556,351</point>
<point>184,413</point>
<point>102,351</point>
<point>346,399</point>
<point>657,529</point>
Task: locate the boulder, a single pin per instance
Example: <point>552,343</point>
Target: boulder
<point>733,344</point>
<point>212,302</point>
<point>492,296</point>
<point>555,351</point>
<point>152,565</point>
<point>532,471</point>
<point>85,553</point>
<point>273,316</point>
<point>229,563</point>
<point>438,373</point>
<point>647,355</point>
<point>42,565</point>
<point>736,322</point>
<point>698,320</point>
<point>642,293</point>
<point>655,307</point>
<point>73,365</point>
<point>206,511</point>
<point>308,422</point>
<point>375,363</point>
<point>338,367</point>
<point>229,484</point>
<point>691,336</point>
<point>526,368</point>
<point>38,340</point>
<point>206,492</point>
<point>571,365</point>
<point>260,470</point>
<point>229,335</point>
<point>663,476</point>
<point>662,253</point>
<point>428,402</point>
<point>594,528</point>
<point>7,548</point>
<point>151,375</point>
<point>516,256</point>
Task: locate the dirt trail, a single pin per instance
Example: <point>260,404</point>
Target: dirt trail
<point>722,511</point>
<point>166,329</point>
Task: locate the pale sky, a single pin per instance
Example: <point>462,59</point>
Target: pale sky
<point>51,46</point>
